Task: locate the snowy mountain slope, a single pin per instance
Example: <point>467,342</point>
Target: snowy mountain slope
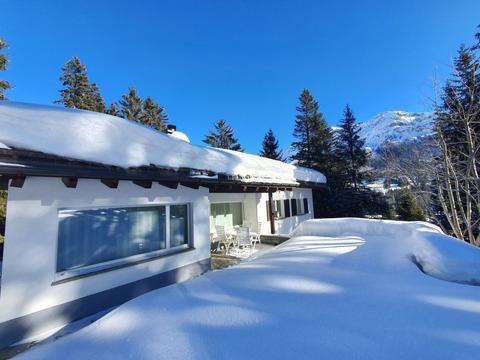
<point>396,126</point>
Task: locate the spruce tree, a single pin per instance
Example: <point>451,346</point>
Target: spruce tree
<point>461,96</point>
<point>408,207</point>
<point>350,147</point>
<point>456,190</point>
<point>222,137</point>
<point>315,143</point>
<point>78,92</point>
<point>113,109</point>
<point>131,106</point>
<point>305,130</point>
<point>477,36</point>
<point>96,100</point>
<point>154,115</point>
<point>4,85</point>
<point>270,147</point>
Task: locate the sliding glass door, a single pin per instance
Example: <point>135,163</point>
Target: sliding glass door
<point>226,214</point>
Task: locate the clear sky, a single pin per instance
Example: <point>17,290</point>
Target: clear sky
<point>244,61</point>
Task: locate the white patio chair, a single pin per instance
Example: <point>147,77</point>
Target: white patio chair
<point>242,244</point>
<point>223,238</point>
<point>255,237</point>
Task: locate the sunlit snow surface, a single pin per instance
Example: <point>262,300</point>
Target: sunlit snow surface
<point>340,289</point>
<point>396,127</point>
<point>106,139</point>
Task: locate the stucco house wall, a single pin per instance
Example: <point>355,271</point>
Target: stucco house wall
<point>29,274</point>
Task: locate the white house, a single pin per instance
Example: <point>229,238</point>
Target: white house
<point>101,210</point>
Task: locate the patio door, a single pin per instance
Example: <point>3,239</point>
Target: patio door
<point>226,214</point>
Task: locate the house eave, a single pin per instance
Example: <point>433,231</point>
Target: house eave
<point>16,165</point>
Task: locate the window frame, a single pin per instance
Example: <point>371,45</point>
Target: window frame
<point>279,212</point>
<point>300,207</point>
<point>88,270</point>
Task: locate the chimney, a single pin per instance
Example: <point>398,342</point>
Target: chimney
<point>171,128</point>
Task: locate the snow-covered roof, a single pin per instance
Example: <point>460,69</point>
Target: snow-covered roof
<point>179,135</point>
<point>110,140</point>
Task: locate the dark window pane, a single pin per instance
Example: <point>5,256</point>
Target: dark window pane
<point>286,204</point>
<point>178,225</point>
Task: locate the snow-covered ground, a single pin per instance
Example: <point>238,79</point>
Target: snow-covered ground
<point>339,289</point>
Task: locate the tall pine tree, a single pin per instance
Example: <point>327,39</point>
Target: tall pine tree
<point>315,141</point>
<point>78,92</point>
<point>270,147</point>
<point>350,148</point>
<point>4,85</point>
<point>456,187</point>
<point>222,137</point>
<point>154,115</point>
<point>306,127</point>
<point>131,106</point>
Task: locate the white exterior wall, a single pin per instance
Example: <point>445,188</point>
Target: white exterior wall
<point>31,240</point>
<point>255,210</point>
<point>284,226</point>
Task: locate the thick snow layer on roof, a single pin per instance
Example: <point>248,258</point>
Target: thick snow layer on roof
<point>179,135</point>
<point>341,289</point>
<point>89,136</point>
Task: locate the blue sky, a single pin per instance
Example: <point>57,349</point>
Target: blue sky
<point>244,61</point>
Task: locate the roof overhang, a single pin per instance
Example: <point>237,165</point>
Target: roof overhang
<point>16,165</point>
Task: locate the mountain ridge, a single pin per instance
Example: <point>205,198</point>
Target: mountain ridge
<point>396,126</point>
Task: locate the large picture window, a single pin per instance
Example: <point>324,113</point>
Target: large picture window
<point>108,235</point>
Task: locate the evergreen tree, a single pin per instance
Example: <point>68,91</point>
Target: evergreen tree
<point>154,115</point>
<point>78,92</point>
<point>477,36</point>
<point>408,207</point>
<point>350,147</point>
<point>97,103</point>
<point>131,106</point>
<point>270,147</point>
<point>456,188</point>
<point>350,203</point>
<point>4,85</point>
<point>222,137</point>
<point>307,123</point>
<point>113,109</point>
<point>315,141</point>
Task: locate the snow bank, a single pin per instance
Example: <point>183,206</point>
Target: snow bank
<point>101,138</point>
<point>435,253</point>
<point>341,289</point>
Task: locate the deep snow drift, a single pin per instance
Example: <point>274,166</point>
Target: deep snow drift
<point>110,140</point>
<point>340,289</point>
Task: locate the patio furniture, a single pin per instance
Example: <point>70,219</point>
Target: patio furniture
<point>255,237</point>
<point>242,246</point>
<point>223,238</point>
